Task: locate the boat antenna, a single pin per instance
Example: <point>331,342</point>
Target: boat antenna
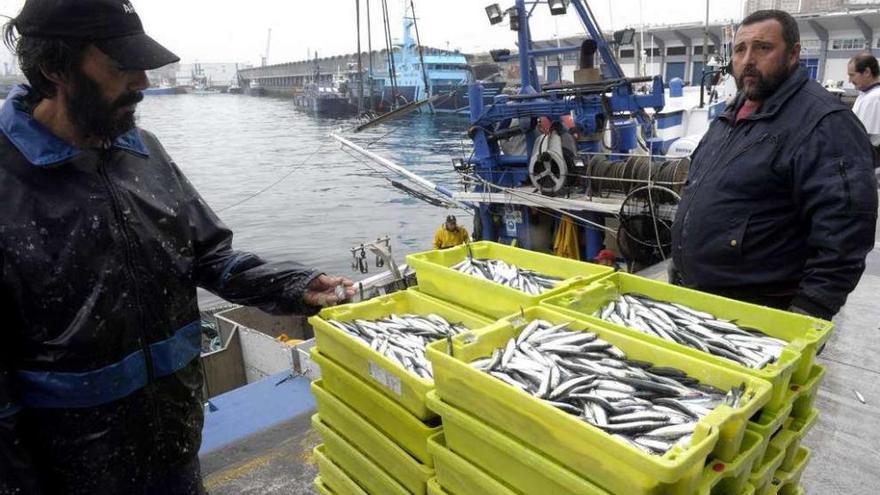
<point>428,91</point>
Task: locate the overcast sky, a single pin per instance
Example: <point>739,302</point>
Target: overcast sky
<point>235,30</point>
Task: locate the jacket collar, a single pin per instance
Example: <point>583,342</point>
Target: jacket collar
<point>771,105</point>
<point>38,145</point>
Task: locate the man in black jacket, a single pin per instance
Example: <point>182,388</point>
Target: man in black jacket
<point>781,202</point>
<point>103,242</point>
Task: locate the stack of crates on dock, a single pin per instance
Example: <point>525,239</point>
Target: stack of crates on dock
<point>372,413</point>
<point>795,377</point>
<point>496,439</point>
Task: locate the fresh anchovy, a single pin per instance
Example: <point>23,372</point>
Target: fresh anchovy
<point>651,408</point>
<point>687,326</point>
<point>402,338</point>
<point>512,276</point>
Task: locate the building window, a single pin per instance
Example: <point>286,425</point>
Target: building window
<point>810,45</point>
<point>628,53</point>
<point>677,50</point>
<point>698,49</point>
<point>848,44</point>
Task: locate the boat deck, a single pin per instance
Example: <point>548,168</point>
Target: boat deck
<point>845,442</point>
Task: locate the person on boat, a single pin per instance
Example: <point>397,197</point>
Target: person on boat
<point>864,73</point>
<point>780,205</point>
<point>103,242</point>
<point>450,234</point>
<point>606,257</point>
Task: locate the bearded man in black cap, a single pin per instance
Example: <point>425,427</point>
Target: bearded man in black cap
<point>103,242</point>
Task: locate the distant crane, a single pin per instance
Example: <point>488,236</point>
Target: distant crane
<point>268,44</point>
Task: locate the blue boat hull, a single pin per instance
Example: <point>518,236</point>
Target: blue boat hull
<point>160,91</point>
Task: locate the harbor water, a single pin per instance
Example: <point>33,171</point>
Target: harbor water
<point>234,147</point>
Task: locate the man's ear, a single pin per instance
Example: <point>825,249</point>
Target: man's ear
<point>796,53</point>
<point>55,78</point>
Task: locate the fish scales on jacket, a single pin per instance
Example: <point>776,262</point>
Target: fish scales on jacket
<point>651,408</point>
<point>687,326</point>
<point>402,338</point>
<point>500,272</point>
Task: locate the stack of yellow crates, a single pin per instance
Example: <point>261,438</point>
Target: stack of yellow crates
<point>372,413</point>
<point>498,440</point>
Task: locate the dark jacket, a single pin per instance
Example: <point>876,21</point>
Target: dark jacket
<point>101,252</point>
<point>782,204</point>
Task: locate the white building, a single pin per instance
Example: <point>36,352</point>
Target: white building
<point>828,39</point>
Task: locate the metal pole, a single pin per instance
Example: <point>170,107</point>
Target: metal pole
<point>706,38</point>
<point>370,49</point>
<point>360,62</point>
<point>523,40</point>
<point>399,169</point>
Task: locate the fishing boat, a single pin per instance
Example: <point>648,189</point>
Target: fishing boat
<point>163,88</point>
<point>325,98</point>
<point>421,73</point>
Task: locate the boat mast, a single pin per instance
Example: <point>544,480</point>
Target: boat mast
<point>428,90</point>
<point>360,62</point>
<point>370,50</point>
<point>389,44</point>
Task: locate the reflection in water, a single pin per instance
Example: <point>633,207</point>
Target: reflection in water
<point>233,146</point>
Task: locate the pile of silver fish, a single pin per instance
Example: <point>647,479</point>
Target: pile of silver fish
<point>653,408</point>
<point>503,273</point>
<point>678,323</point>
<point>402,338</point>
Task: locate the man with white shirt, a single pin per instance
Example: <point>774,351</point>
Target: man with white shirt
<point>864,73</point>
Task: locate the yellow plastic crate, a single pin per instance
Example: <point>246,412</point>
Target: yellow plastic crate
<point>762,476</point>
<point>460,477</point>
<point>321,488</point>
<point>334,478</point>
<point>385,414</point>
<point>437,278</point>
<point>803,397</point>
<point>797,428</point>
<point>356,356</point>
<point>611,463</point>
<point>502,457</point>
<point>787,482</point>
<point>767,424</point>
<point>731,478</point>
<point>378,447</point>
<point>804,334</point>
<point>434,488</point>
<point>358,466</point>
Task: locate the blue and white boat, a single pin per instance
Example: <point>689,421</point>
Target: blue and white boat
<point>447,72</point>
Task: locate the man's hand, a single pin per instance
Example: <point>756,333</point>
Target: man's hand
<point>323,291</point>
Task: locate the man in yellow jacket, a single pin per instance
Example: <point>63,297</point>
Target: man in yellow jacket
<point>450,234</point>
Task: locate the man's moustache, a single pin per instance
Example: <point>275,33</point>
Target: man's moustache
<point>129,99</point>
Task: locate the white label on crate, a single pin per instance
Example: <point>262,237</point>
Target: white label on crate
<point>386,378</point>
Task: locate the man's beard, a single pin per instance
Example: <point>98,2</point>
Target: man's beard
<point>93,115</point>
<point>764,86</point>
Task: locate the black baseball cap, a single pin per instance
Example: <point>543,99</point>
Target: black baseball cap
<point>111,25</point>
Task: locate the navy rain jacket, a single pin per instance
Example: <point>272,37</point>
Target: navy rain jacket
<point>781,204</point>
<point>101,252</point>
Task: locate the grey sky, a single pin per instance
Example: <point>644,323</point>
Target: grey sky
<point>235,31</point>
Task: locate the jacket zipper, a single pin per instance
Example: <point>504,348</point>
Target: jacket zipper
<point>116,204</point>
<point>716,169</point>
<point>841,167</point>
